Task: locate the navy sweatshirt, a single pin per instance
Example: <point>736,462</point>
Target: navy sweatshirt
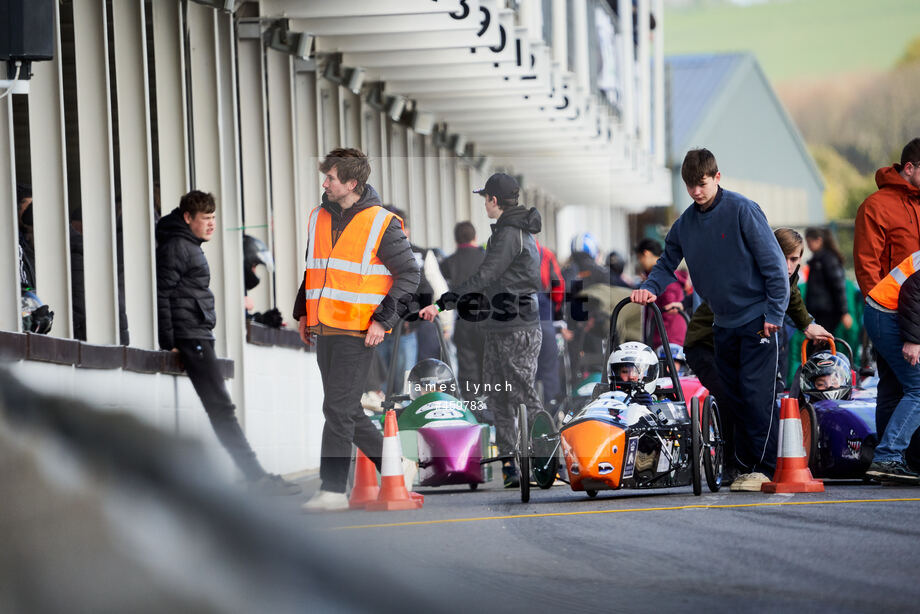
<point>734,259</point>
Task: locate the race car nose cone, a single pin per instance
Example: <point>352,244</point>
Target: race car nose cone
<point>604,468</point>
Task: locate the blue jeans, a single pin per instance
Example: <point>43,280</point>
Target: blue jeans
<point>886,336</point>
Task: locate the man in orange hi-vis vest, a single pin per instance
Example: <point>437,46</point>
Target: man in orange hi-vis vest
<point>360,276</point>
<point>883,305</point>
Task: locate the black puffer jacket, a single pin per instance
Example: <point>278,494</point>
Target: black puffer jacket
<point>909,308</point>
<point>509,275</point>
<point>826,290</point>
<point>185,304</point>
<point>394,252</point>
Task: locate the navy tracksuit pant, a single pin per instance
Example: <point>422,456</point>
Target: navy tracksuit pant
<point>747,364</point>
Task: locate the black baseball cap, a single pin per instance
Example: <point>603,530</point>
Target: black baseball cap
<point>501,186</point>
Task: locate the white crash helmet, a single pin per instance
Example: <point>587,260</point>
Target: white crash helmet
<point>641,362</point>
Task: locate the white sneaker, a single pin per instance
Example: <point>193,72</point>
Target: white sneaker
<point>749,482</point>
<point>325,501</point>
<point>410,470</point>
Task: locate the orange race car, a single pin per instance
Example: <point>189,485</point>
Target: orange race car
<point>636,432</point>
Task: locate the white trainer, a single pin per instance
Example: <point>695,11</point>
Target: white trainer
<point>325,501</point>
<point>749,482</point>
<point>410,470</point>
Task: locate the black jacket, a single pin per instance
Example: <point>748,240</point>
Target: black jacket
<point>826,289</point>
<point>185,304</point>
<point>394,251</point>
<point>509,275</point>
<point>460,266</point>
<point>909,309</point>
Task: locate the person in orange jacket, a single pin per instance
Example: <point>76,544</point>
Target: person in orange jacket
<point>887,231</point>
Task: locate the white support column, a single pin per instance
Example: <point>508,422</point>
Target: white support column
<point>561,35</point>
<point>308,185</point>
<point>230,260</point>
<point>580,31</point>
<point>415,205</point>
<point>432,205</point>
<point>462,195</point>
<point>172,128</point>
<point>350,114</point>
<point>49,188</point>
<point>255,157</point>
<point>625,30</point>
<point>284,203</point>
<point>644,99</point>
<point>213,113</point>
<point>10,314</point>
<point>398,146</point>
<point>372,144</point>
<point>327,116</point>
<point>659,124</point>
<point>96,181</point>
<point>447,205</point>
<point>133,96</point>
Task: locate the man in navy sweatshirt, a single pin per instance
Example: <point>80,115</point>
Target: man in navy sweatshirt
<point>738,268</point>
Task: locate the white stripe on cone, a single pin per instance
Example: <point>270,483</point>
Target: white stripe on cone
<point>392,457</point>
<point>790,438</point>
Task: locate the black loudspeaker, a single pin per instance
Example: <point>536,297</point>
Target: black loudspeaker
<point>26,30</point>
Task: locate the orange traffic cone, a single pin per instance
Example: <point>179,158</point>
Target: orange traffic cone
<point>792,472</point>
<point>393,493</point>
<point>365,489</point>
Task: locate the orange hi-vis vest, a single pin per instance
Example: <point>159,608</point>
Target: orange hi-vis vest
<point>345,283</point>
<point>886,292</point>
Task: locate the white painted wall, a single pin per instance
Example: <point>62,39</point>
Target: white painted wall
<point>282,413</point>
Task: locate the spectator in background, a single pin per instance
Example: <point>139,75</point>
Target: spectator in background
<point>893,323</point>
<point>510,278</point>
<point>186,317</point>
<point>468,335</point>
<point>887,231</point>
<point>826,297</point>
<point>616,265</point>
<point>550,299</point>
<point>582,270</point>
<point>670,300</point>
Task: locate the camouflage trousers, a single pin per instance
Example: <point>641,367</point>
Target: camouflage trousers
<point>509,368</point>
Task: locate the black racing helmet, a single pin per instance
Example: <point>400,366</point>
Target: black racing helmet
<point>826,376</point>
<point>255,252</point>
<point>431,375</point>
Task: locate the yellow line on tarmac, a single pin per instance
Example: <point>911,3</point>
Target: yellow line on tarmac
<point>620,511</point>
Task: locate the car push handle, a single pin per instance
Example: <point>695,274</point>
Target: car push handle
<point>659,324</point>
<point>805,349</point>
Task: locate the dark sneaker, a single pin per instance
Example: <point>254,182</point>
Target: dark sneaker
<point>511,477</point>
<point>895,471</point>
<point>273,485</point>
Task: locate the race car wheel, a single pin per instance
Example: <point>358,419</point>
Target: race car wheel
<point>695,446</point>
<point>713,451</point>
<point>809,434</point>
<point>545,443</point>
<point>523,454</point>
<point>474,486</point>
<point>590,492</point>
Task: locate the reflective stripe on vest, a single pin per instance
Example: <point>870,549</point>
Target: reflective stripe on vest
<point>346,282</point>
<point>886,292</point>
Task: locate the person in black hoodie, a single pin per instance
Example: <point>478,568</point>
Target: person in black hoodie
<point>510,278</point>
<point>185,313</point>
<point>825,295</point>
